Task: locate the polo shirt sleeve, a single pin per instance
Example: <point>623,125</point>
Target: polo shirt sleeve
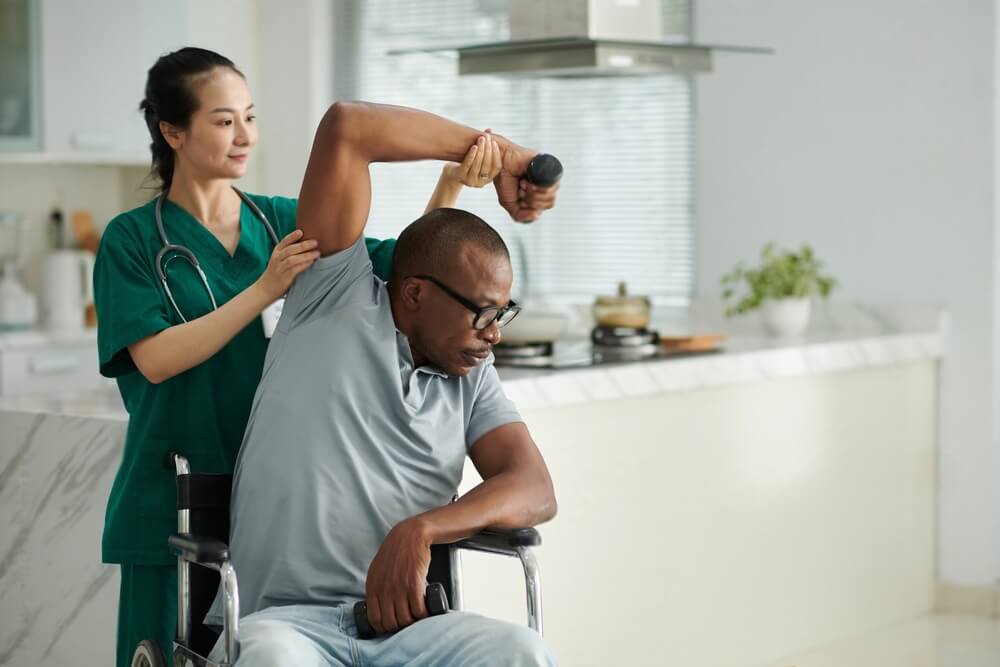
<point>332,282</point>
<point>490,408</point>
<point>127,298</point>
<point>380,252</point>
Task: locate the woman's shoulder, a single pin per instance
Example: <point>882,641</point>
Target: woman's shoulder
<point>281,210</point>
<point>131,226</point>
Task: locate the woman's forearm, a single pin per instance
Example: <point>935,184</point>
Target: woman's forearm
<point>183,346</point>
<point>445,193</point>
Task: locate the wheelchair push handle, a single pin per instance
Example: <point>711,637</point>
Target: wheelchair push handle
<point>434,598</point>
<point>177,462</point>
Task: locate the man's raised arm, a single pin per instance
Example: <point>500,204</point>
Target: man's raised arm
<point>336,190</point>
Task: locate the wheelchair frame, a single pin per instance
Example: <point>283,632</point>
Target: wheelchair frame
<point>211,553</point>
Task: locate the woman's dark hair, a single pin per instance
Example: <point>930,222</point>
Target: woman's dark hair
<point>171,97</point>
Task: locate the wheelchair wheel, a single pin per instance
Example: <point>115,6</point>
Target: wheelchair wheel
<point>148,654</point>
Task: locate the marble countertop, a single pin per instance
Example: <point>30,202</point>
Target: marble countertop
<point>742,361</point>
<point>35,338</point>
<point>104,403</point>
<point>841,337</point>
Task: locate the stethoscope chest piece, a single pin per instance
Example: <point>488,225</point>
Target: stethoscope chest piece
<point>173,251</point>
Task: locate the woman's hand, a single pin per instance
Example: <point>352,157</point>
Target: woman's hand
<point>181,347</point>
<point>290,258</point>
<point>481,164</point>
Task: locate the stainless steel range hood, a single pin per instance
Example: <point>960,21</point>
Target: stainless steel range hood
<point>583,57</point>
<point>590,38</point>
<point>586,57</point>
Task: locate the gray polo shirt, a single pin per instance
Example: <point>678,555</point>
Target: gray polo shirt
<point>345,439</point>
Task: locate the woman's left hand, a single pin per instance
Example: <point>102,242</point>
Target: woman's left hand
<point>481,164</point>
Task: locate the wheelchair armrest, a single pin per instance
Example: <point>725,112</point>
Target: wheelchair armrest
<point>200,550</point>
<point>501,541</point>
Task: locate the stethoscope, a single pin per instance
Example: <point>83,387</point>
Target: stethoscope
<point>187,255</point>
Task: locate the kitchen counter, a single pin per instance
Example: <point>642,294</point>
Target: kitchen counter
<point>843,337</point>
<point>743,360</point>
<point>104,403</point>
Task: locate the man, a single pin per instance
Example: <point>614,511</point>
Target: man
<point>371,397</point>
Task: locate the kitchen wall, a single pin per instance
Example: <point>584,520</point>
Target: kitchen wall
<point>295,59</point>
<point>32,190</point>
<point>869,134</point>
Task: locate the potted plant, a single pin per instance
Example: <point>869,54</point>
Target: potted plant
<point>781,286</point>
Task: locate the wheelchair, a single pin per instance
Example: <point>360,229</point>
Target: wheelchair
<point>202,534</point>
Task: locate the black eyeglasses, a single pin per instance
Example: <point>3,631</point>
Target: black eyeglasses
<point>484,316</point>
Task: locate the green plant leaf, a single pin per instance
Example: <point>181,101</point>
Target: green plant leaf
<point>781,275</point>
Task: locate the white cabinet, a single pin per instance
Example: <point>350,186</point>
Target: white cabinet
<point>19,76</point>
<point>95,56</point>
<point>93,59</point>
<point>38,363</point>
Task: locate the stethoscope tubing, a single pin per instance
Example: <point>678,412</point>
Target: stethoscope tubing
<point>187,255</point>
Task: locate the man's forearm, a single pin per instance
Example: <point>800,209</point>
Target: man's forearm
<point>336,190</point>
<point>388,133</point>
<point>508,500</point>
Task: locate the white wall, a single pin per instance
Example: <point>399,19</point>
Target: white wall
<point>295,58</point>
<point>869,135</point>
<point>995,404</point>
<point>32,190</point>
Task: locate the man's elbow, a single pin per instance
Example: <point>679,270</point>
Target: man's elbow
<point>550,511</point>
<point>340,123</point>
<point>549,506</point>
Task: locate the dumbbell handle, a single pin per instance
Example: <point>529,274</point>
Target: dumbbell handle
<point>434,598</point>
<point>544,170</point>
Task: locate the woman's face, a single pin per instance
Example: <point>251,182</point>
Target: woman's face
<point>222,132</point>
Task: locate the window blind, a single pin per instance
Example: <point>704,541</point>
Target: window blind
<point>625,208</point>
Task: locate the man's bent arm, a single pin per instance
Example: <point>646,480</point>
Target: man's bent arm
<point>336,190</point>
<point>516,491</point>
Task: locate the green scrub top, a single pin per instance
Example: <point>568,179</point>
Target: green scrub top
<point>202,412</point>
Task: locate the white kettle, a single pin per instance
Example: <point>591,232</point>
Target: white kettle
<point>68,288</point>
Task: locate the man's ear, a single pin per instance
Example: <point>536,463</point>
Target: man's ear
<point>411,293</point>
<point>173,135</point>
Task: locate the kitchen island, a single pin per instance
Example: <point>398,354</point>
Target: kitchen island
<point>718,510</point>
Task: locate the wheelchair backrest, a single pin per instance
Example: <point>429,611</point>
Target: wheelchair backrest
<point>206,497</point>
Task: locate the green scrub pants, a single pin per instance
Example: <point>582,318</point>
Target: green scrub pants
<point>147,609</point>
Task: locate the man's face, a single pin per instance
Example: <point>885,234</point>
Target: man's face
<point>443,328</point>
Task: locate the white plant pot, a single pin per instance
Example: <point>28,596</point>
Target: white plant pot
<point>786,318</point>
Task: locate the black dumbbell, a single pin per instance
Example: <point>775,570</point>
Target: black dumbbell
<point>544,170</point>
<point>434,598</point>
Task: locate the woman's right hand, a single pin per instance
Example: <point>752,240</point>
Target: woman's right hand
<point>481,164</point>
<point>290,258</point>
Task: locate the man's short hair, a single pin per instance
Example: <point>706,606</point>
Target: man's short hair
<point>432,243</point>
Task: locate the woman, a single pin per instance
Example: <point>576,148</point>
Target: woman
<point>186,342</point>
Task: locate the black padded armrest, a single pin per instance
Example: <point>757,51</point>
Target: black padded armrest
<point>501,541</point>
<point>198,549</point>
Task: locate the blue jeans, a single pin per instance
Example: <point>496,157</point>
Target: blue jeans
<point>318,636</point>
